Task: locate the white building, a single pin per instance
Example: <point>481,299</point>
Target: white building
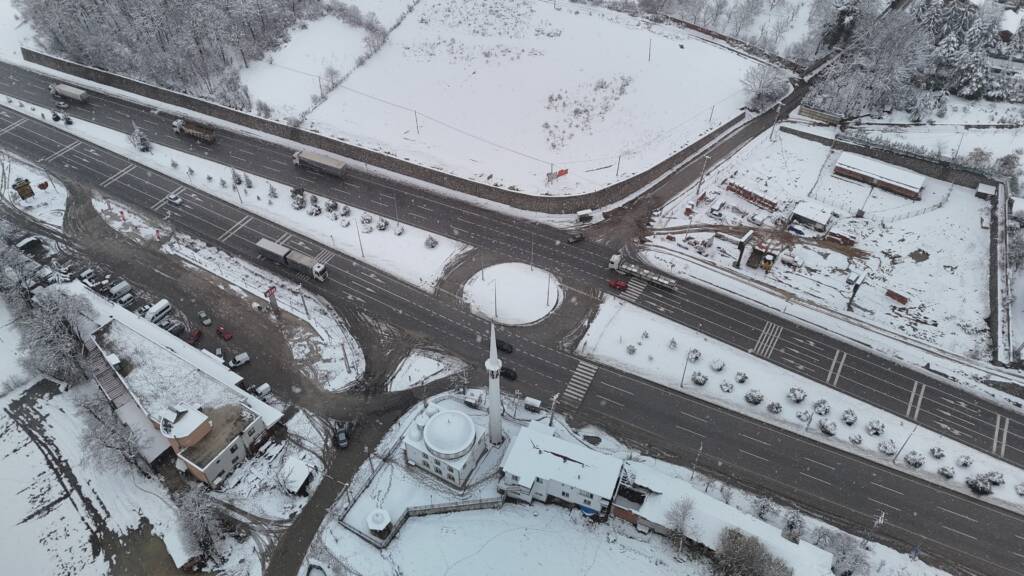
<point>446,443</point>
<point>812,213</point>
<point>539,466</point>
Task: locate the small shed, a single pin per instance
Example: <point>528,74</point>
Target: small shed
<point>813,214</point>
<point>880,174</point>
<point>985,191</point>
<point>296,476</point>
<point>24,188</point>
<point>1009,24</point>
<point>379,523</point>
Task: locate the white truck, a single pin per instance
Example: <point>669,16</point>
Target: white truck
<point>292,259</point>
<point>201,132</point>
<point>69,92</point>
<point>617,263</point>
<point>323,161</point>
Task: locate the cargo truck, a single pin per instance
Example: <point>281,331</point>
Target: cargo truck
<point>69,92</point>
<point>327,163</point>
<point>201,132</point>
<point>617,263</point>
<point>292,259</point>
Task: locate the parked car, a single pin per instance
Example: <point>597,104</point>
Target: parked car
<point>87,274</point>
<point>175,328</point>
<point>61,104</point>
<point>618,284</point>
<point>224,334</point>
<point>574,238</point>
<point>126,300</point>
<point>194,336</point>
<point>143,309</point>
<point>503,346</point>
<point>174,199</point>
<point>204,318</point>
<point>239,360</point>
<point>509,373</point>
<point>342,432</point>
<point>263,390</point>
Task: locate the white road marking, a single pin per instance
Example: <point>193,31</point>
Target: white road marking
<point>690,431</point>
<point>819,463</point>
<point>694,417</point>
<point>606,399</point>
<point>113,178</point>
<point>758,440</point>
<point>959,532</point>
<point>910,401</point>
<point>754,455</point>
<point>956,514</point>
<point>887,488</point>
<point>884,504</point>
<point>816,478</point>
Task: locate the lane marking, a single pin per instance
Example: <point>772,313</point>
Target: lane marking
<point>832,367</point>
<point>910,401</point>
<point>879,502</point>
<point>61,152</point>
<point>887,488</point>
<point>959,532</point>
<point>13,126</point>
<point>234,229</point>
<point>758,440</point>
<point>816,478</point>
<point>754,455</point>
<point>839,371</point>
<point>606,399</point>
<point>113,178</point>
<point>995,436</point>
<point>623,390</point>
<point>920,398</point>
<point>692,416</point>
<point>688,430</point>
<point>820,463</point>
<point>956,514</point>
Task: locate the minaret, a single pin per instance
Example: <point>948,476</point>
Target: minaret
<point>493,365</point>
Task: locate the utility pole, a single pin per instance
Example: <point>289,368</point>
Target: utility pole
<point>696,459</point>
<point>686,364</point>
<point>617,165</point>
<point>650,47</point>
<point>703,170</point>
<point>554,403</point>
<point>416,115</point>
<point>359,237</point>
<point>778,112</point>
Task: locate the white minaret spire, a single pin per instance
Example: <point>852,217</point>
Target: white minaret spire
<point>493,365</point>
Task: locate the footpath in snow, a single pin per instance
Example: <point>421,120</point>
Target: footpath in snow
<point>401,250</point>
<point>640,342</point>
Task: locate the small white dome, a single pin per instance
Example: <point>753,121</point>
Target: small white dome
<point>449,434</point>
<point>378,519</point>
<point>431,410</point>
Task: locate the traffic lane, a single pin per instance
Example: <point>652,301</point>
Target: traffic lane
<point>757,455</point>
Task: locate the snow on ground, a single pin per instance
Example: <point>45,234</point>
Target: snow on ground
<point>404,255</point>
<point>14,31</point>
<point>774,27</point>
<point>614,98</point>
<point>512,293</point>
<point>45,520</point>
<point>934,251</point>
<point>642,343</point>
<point>12,374</point>
<point>423,367</point>
<point>47,205</point>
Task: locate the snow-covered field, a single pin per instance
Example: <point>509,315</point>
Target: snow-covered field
<point>774,27</point>
<point>14,32</point>
<point>642,343</point>
<point>423,367</point>
<point>11,372</point>
<point>505,91</point>
<point>934,251</point>
<point>47,206</point>
<point>513,293</point>
<point>406,256</point>
<point>293,76</point>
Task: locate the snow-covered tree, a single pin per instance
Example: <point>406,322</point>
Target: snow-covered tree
<point>849,417</point>
<point>964,461</point>
<point>108,441</point>
<point>764,85</point>
<point>937,452</point>
<point>914,459</point>
<point>876,427</point>
<point>827,427</point>
<point>797,395</point>
<point>678,517</point>
<point>947,472</point>
<point>754,397</point>
<point>201,516</point>
<point>764,507</point>
<point>822,407</point>
<point>54,328</point>
<point>739,553</point>
<point>887,447</point>
<point>774,407</point>
<point>793,526</point>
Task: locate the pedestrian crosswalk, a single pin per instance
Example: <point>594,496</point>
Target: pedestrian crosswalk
<point>634,290</point>
<point>576,391</point>
<point>765,344</point>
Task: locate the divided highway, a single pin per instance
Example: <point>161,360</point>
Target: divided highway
<point>959,531</point>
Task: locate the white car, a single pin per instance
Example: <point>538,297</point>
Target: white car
<point>239,360</point>
<point>174,199</point>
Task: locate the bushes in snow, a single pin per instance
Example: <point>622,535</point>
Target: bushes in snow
<point>630,349</point>
<point>741,377</point>
<point>1020,489</point>
<point>938,453</point>
<point>699,378</point>
<point>980,484</point>
<point>964,461</point>
<point>876,427</point>
<point>803,415</point>
<point>774,407</point>
<point>856,439</point>
<point>726,386</point>
<point>738,553</point>
<point>764,507</point>
<point>947,472</point>
<point>797,395</point>
<point>914,459</point>
<point>827,427</point>
<point>887,447</point>
<point>717,365</point>
<point>849,417</point>
<point>694,355</point>
<point>793,527</point>
<point>821,407</point>
<point>754,397</point>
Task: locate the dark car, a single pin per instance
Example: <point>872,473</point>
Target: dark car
<point>194,336</point>
<point>342,431</point>
<point>508,373</point>
<point>503,346</point>
<point>574,238</point>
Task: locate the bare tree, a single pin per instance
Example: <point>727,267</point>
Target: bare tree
<point>678,517</point>
<point>106,440</point>
<point>53,334</point>
<point>764,85</point>
<point>738,553</point>
<point>764,507</point>
<point>202,517</point>
<point>847,555</point>
<point>794,526</point>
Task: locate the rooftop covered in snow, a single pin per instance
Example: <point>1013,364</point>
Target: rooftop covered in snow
<point>880,171</point>
<point>534,455</point>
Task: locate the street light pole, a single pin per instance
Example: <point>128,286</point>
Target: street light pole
<point>703,170</point>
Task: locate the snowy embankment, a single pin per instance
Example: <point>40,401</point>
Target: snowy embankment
<point>611,104</point>
<point>340,360</point>
<point>640,342</point>
<point>12,375</point>
<point>47,205</point>
<point>513,293</point>
<point>15,32</point>
<point>404,255</point>
<point>423,367</point>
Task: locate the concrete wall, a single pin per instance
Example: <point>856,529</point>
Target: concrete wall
<point>547,204</point>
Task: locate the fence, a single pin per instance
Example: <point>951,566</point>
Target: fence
<point>546,204</point>
<point>742,46</point>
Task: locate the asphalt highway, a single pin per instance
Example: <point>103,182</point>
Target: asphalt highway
<point>966,533</point>
<point>869,376</point>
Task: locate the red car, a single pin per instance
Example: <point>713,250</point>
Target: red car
<point>194,337</point>
<point>224,334</point>
<point>618,284</point>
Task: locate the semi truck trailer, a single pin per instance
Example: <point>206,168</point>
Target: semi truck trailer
<point>69,92</point>
<point>292,258</point>
<point>322,161</point>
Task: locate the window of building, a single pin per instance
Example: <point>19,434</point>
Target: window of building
<point>234,460</point>
<point>514,477</point>
<point>234,448</point>
<point>565,494</point>
<point>251,431</point>
<point>586,501</point>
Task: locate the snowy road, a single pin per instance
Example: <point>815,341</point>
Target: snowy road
<point>545,369</point>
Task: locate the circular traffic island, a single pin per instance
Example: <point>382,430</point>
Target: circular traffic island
<point>513,293</point>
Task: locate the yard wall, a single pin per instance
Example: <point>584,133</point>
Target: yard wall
<point>545,204</point>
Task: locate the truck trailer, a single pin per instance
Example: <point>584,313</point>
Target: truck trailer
<point>69,92</point>
<point>201,132</point>
<point>292,259</point>
<point>617,263</point>
<point>323,161</point>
